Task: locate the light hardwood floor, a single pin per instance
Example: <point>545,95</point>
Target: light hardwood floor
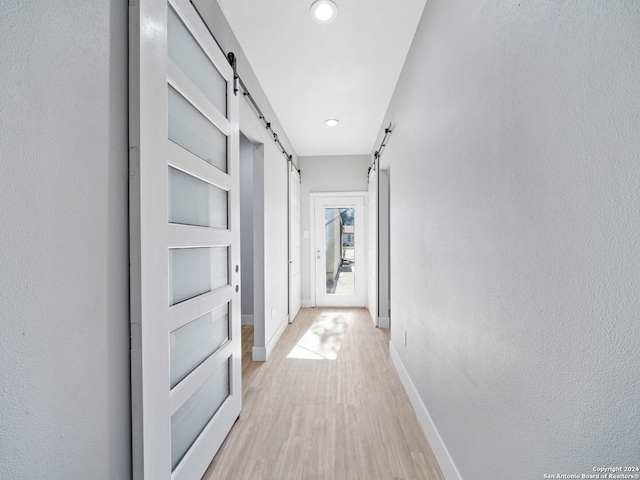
<point>328,404</point>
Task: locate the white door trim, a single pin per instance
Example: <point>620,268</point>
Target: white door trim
<point>372,246</point>
<point>312,230</point>
<point>251,129</point>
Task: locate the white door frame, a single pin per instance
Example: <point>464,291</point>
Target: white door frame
<point>372,245</point>
<point>312,228</point>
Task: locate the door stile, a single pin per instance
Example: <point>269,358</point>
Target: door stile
<point>372,245</point>
<point>148,199</point>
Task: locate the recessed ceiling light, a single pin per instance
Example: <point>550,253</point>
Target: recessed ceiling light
<point>331,122</point>
<point>324,11</point>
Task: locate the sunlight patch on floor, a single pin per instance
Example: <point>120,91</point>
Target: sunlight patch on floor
<point>323,339</point>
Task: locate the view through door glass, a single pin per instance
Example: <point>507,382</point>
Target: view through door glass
<point>340,250</point>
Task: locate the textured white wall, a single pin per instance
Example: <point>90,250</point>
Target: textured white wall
<point>64,319</point>
<point>515,232</point>
<point>347,173</point>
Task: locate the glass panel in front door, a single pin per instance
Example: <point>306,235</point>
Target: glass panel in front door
<point>340,250</point>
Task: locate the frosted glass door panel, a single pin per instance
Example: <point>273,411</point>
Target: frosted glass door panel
<point>187,54</point>
<point>339,251</point>
<point>194,132</point>
<point>196,341</point>
<point>194,202</point>
<point>194,271</point>
<point>192,417</point>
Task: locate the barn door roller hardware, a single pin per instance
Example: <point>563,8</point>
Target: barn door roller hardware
<point>378,153</point>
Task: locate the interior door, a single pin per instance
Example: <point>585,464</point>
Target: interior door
<point>295,279</point>
<point>372,246</point>
<point>185,244</point>
<point>339,255</point>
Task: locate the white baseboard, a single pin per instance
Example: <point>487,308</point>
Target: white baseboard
<point>261,354</point>
<point>246,320</point>
<point>384,322</point>
<point>306,303</point>
<point>437,445</point>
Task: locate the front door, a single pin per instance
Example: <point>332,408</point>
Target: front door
<point>339,254</point>
<point>185,243</point>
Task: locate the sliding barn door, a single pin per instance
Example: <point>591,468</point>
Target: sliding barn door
<point>185,245</point>
<point>295,264</point>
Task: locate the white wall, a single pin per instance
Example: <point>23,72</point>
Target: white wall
<point>326,174</point>
<point>246,229</point>
<point>64,284</point>
<point>515,232</point>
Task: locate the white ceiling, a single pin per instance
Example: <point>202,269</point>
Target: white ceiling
<point>310,72</point>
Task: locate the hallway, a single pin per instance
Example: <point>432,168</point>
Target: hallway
<point>327,405</point>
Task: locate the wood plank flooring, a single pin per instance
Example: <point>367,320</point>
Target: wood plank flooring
<point>327,405</point>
